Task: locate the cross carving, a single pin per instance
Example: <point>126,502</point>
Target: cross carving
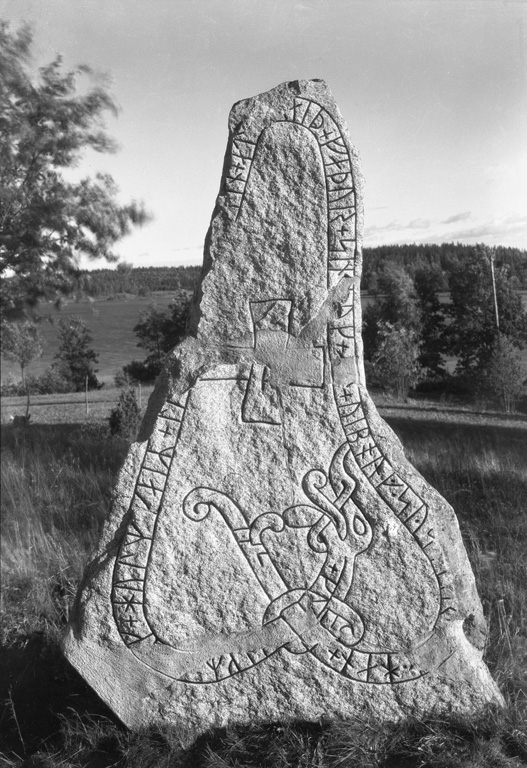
<point>280,361</point>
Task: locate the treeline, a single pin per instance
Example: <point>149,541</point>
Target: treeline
<point>140,281</point>
<point>442,260</point>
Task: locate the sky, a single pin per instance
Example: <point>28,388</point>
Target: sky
<point>434,93</point>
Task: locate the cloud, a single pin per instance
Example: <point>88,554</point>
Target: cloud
<point>393,226</point>
<point>509,231</point>
<point>494,229</point>
<point>396,226</point>
<point>457,217</point>
<point>418,224</point>
<point>482,230</point>
<point>516,219</point>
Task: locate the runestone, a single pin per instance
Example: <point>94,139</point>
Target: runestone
<point>271,554</point>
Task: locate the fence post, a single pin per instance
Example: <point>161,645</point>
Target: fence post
<point>86,394</point>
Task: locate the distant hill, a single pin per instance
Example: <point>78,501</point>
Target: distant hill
<point>142,281</point>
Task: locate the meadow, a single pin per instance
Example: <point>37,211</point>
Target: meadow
<point>57,479</point>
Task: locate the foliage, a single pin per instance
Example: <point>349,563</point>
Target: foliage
<point>466,328</point>
<point>22,342</point>
<point>75,360</point>
<point>396,330</point>
<point>47,120</point>
<point>472,333</point>
<point>504,378</point>
<point>52,381</point>
<point>123,379</point>
<point>151,330</point>
<point>395,365</point>
<point>398,305</point>
<point>126,416</point>
<point>433,327</point>
<point>158,330</point>
<point>138,371</point>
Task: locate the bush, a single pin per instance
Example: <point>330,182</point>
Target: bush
<point>125,418</point>
<point>143,372</point>
<point>10,387</point>
<point>122,379</point>
<point>51,382</point>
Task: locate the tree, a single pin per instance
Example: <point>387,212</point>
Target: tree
<point>158,331</point>
<point>395,365</point>
<point>398,305</point>
<point>504,377</point>
<point>21,342</point>
<point>47,222</point>
<point>152,330</point>
<point>472,334</point>
<point>75,359</point>
<point>428,283</point>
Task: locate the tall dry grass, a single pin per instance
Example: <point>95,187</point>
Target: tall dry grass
<point>56,490</point>
<point>56,487</point>
<point>482,471</point>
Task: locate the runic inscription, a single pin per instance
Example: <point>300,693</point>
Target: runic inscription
<point>338,171</point>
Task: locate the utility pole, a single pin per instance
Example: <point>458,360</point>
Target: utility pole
<point>491,256</point>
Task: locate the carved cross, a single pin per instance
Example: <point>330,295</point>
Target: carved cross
<point>279,361</point>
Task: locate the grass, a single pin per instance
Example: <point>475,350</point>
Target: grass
<point>57,481</point>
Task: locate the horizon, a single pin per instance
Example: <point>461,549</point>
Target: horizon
<point>114,266</point>
<point>434,93</point>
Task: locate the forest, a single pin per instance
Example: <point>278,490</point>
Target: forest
<point>440,259</point>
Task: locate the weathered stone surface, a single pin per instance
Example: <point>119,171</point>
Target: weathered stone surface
<point>271,553</point>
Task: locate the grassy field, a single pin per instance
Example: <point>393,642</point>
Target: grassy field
<point>56,489</point>
<point>111,322</point>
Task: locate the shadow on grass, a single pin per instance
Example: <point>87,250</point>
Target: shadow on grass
<point>38,688</point>
<point>410,428</point>
<point>487,742</point>
<point>474,466</point>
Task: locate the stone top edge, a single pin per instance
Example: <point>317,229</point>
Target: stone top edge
<point>280,95</point>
